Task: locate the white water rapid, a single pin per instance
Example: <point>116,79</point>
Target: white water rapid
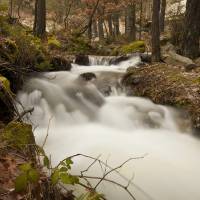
<point>82,120</point>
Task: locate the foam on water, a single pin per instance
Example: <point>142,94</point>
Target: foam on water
<point>117,128</point>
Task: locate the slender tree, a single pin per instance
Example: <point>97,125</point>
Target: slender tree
<point>162,15</point>
<point>39,28</point>
<point>130,22</point>
<point>192,29</point>
<point>155,32</point>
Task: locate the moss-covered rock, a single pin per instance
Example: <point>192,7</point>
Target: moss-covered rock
<point>8,50</point>
<point>18,135</point>
<point>137,46</point>
<point>4,83</point>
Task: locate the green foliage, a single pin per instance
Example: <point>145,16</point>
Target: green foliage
<point>137,46</point>
<point>77,44</point>
<point>8,50</point>
<point>5,83</point>
<point>53,43</point>
<point>61,173</point>
<point>28,175</point>
<point>44,66</point>
<point>18,134</point>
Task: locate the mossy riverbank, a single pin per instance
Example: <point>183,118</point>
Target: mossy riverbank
<point>167,85</point>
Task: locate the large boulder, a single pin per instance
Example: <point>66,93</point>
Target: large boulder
<point>82,60</point>
<point>172,58</point>
<point>197,62</point>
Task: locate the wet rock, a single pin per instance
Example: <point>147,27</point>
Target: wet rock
<point>145,57</point>
<point>118,59</point>
<point>106,90</point>
<point>59,63</point>
<point>88,76</point>
<point>82,60</point>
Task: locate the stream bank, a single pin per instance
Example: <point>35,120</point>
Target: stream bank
<point>168,85</point>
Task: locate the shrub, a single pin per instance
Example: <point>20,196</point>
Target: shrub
<point>53,43</point>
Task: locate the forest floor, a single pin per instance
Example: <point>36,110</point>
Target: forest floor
<point>167,85</point>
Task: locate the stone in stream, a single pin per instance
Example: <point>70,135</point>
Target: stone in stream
<point>118,59</point>
<point>88,76</point>
<point>82,60</point>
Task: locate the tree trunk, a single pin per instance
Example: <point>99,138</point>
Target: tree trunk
<point>162,15</point>
<point>192,29</point>
<point>100,29</point>
<point>40,18</point>
<point>110,25</point>
<point>95,29</point>
<point>130,23</point>
<point>10,9</point>
<point>116,24</point>
<point>90,31</point>
<point>155,32</point>
<point>141,10</point>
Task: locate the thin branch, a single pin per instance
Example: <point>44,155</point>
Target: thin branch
<point>45,140</point>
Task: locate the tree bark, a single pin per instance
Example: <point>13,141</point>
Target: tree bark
<point>110,25</point>
<point>130,23</point>
<point>94,27</point>
<point>162,15</point>
<point>10,10</point>
<point>40,18</point>
<point>192,29</point>
<point>141,10</point>
<point>100,29</point>
<point>155,32</point>
<point>116,24</point>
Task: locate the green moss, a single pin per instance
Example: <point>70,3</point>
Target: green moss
<point>53,43</point>
<point>137,46</point>
<point>8,50</point>
<point>44,66</point>
<point>5,83</point>
<point>18,134</point>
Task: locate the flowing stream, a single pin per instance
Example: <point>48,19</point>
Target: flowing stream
<point>96,118</point>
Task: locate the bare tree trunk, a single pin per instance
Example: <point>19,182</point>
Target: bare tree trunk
<point>100,29</point>
<point>162,15</point>
<point>95,29</point>
<point>155,32</point>
<point>116,24</point>
<point>40,18</point>
<point>141,10</point>
<point>10,9</point>
<point>130,23</point>
<point>192,29</point>
<point>90,31</point>
<point>110,25</point>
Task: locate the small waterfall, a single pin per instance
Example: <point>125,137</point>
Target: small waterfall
<point>117,127</point>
